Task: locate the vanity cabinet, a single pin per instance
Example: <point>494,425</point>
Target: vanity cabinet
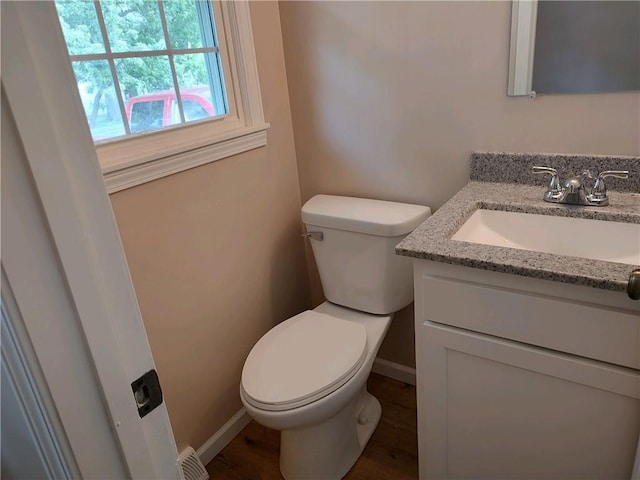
<point>524,378</point>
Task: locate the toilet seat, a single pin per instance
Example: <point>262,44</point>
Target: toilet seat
<point>301,360</point>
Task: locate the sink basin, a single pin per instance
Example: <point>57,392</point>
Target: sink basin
<point>576,237</point>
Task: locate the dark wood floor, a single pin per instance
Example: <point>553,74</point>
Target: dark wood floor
<point>392,452</point>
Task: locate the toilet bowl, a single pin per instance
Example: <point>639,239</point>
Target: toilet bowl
<point>310,446</point>
<point>307,376</point>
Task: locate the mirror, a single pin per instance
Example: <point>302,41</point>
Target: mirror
<point>574,47</point>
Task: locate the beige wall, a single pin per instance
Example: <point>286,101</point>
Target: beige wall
<point>216,257</point>
<point>389,99</point>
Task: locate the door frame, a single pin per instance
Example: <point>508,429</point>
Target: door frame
<point>39,94</point>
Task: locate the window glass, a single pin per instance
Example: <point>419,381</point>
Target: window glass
<point>193,110</point>
<point>131,65</point>
<point>185,28</point>
<point>80,26</point>
<point>146,114</point>
<point>98,96</point>
<point>143,75</point>
<point>133,26</point>
<point>197,73</point>
<point>143,80</point>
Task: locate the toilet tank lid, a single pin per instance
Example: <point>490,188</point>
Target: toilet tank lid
<point>363,215</point>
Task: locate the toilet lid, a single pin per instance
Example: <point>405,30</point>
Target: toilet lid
<point>303,359</point>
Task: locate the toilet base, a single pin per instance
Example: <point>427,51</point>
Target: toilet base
<point>329,449</point>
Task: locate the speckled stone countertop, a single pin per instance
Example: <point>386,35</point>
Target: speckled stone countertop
<point>432,239</point>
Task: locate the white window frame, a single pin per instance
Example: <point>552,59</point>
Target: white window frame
<point>136,159</point>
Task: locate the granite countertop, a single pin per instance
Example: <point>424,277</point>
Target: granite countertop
<point>431,240</point>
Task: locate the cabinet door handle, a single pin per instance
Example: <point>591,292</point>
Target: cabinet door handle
<point>633,287</point>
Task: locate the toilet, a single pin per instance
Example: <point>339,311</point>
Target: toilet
<point>307,376</point>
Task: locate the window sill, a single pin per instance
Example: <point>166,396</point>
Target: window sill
<point>123,176</point>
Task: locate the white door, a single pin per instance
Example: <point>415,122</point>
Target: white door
<point>70,305</point>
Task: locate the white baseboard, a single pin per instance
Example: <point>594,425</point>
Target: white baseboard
<point>394,370</point>
<point>222,437</point>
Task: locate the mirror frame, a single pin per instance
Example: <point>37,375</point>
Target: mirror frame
<point>524,14</point>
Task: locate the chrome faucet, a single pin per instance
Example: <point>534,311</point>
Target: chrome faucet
<point>581,189</point>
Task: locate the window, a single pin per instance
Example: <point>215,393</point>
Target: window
<point>142,56</point>
<point>158,79</point>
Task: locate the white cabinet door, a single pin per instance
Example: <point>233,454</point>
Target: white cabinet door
<point>496,409</point>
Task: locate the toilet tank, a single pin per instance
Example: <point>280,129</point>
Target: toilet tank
<point>356,257</point>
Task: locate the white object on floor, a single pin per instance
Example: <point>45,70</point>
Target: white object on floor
<point>307,376</point>
<point>192,467</point>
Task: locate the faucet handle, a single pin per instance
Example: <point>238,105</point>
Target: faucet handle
<point>554,185</point>
<point>536,169</point>
<point>614,173</point>
<point>598,193</point>
<point>599,187</point>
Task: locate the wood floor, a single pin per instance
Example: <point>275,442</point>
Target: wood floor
<point>392,452</point>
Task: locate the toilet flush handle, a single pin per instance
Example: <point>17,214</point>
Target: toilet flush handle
<point>315,235</point>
